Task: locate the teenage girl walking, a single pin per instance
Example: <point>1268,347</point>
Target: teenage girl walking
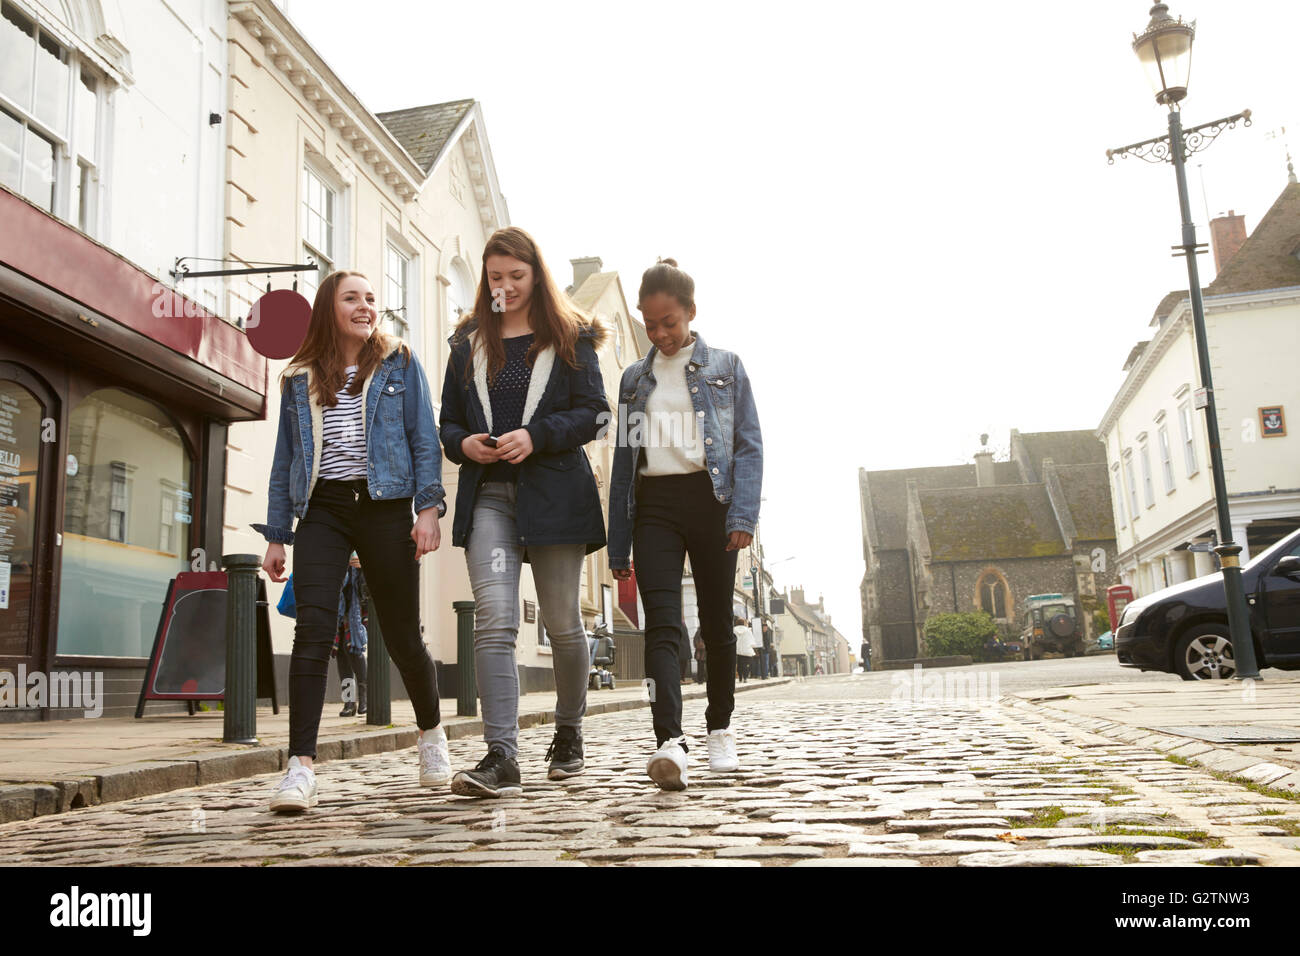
<point>357,462</point>
<point>687,481</point>
<point>522,395</point>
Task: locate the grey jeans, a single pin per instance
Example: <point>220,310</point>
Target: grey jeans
<point>494,558</point>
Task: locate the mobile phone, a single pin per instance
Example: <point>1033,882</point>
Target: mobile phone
<point>490,442</point>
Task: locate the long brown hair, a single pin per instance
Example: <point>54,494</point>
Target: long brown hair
<point>555,320</point>
<point>320,352</point>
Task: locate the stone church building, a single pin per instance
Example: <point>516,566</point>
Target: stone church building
<point>985,536</point>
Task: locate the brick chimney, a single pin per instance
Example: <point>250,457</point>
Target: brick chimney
<point>1227,234</point>
<point>984,465</point>
<point>582,268</point>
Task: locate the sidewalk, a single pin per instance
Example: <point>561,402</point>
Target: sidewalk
<point>1249,729</point>
<point>55,766</point>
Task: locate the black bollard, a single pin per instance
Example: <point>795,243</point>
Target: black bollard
<point>240,716</point>
<point>467,699</point>
<point>379,706</point>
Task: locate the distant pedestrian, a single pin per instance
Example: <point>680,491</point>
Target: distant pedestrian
<point>744,648</point>
<point>684,655</point>
<point>866,656</point>
<point>690,488</point>
<point>350,639</point>
<point>769,663</point>
<point>701,659</point>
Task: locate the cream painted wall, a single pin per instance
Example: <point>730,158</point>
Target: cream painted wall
<point>1253,340</point>
<point>274,134</point>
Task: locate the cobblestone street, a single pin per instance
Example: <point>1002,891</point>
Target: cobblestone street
<point>826,780</point>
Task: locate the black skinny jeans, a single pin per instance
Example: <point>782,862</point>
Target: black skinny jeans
<point>341,518</point>
<point>677,515</point>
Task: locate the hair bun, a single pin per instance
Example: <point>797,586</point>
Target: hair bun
<point>667,262</point>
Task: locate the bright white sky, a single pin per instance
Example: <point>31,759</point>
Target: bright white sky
<point>899,215</point>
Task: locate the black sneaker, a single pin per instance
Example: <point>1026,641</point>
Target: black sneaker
<point>565,753</point>
<point>495,776</point>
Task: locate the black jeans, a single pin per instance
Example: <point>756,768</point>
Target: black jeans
<point>677,515</point>
<point>342,518</point>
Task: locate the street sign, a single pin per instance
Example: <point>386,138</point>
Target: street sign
<point>1200,397</point>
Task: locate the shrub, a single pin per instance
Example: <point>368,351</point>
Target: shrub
<point>949,634</point>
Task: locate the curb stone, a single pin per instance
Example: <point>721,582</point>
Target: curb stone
<point>1197,752</point>
<point>22,801</point>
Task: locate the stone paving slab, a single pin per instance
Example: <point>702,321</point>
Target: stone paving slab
<point>101,761</point>
<point>790,806</point>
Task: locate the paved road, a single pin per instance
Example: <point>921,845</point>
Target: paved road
<point>832,775</point>
<point>1014,676</point>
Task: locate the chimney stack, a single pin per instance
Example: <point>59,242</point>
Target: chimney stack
<point>984,465</point>
<point>582,268</point>
<point>1227,233</point>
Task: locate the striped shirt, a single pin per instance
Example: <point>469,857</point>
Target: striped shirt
<point>344,454</point>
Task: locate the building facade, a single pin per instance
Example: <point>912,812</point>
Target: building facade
<point>1154,433</point>
<point>116,389</point>
<point>985,536</point>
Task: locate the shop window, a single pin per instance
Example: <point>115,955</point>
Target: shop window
<point>20,487</point>
<point>126,524</point>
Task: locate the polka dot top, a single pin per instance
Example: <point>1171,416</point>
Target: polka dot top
<point>508,393</point>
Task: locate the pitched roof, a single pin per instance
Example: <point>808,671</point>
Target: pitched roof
<point>424,130</point>
<point>1266,260</point>
<point>1087,495</point>
<point>887,491</point>
<point>1002,521</point>
<point>1080,447</point>
<point>1167,304</point>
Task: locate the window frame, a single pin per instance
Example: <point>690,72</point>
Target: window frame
<point>1148,486</point>
<point>76,171</point>
<point>1187,427</point>
<point>1166,457</point>
<point>401,315</point>
<point>1131,484</point>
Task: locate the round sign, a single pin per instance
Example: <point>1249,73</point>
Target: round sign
<point>278,323</point>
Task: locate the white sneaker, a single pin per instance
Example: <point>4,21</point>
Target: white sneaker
<point>667,767</point>
<point>297,791</point>
<point>435,761</point>
<point>722,750</point>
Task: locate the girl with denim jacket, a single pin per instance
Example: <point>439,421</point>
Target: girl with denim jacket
<point>687,480</point>
<point>357,462</point>
<point>522,395</point>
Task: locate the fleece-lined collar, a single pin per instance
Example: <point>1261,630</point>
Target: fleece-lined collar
<point>537,382</point>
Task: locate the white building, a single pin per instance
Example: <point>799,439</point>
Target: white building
<point>1155,437</point>
<point>115,393</point>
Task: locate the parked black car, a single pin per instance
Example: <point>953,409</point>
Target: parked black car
<point>1183,629</point>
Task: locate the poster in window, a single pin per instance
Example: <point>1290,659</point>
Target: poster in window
<point>1272,424</point>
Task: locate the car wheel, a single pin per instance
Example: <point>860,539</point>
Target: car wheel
<point>1205,653</point>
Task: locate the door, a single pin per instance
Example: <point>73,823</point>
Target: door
<point>1280,596</point>
<point>28,448</point>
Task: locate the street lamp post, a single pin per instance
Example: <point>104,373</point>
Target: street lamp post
<point>1165,51</point>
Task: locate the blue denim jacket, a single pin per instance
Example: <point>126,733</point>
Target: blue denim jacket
<point>733,442</point>
<point>401,444</point>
